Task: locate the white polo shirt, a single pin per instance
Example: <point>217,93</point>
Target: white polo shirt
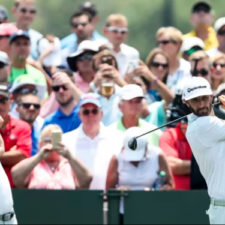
<point>206,136</point>
<point>124,56</point>
<point>94,153</point>
<point>6,200</point>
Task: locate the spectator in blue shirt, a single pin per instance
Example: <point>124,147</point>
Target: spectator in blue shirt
<point>67,96</point>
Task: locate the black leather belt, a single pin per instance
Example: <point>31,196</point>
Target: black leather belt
<point>7,216</point>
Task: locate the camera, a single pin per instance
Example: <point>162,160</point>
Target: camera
<point>177,109</point>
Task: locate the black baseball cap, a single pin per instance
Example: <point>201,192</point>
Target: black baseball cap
<point>201,6</point>
<point>90,8</point>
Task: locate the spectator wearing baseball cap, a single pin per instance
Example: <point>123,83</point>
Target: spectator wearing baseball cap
<point>137,169</point>
<point>191,45</point>
<point>19,66</point>
<point>205,134</point>
<point>219,27</point>
<point>202,19</point>
<point>131,106</point>
<point>4,69</point>
<point>3,15</point>
<point>92,142</point>
<point>6,30</point>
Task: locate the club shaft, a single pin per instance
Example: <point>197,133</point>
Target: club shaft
<point>171,122</point>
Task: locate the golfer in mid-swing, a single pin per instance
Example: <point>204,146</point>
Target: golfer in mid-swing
<point>206,136</point>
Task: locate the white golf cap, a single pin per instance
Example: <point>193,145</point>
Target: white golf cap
<point>138,154</point>
<point>196,87</point>
<point>219,24</point>
<point>131,91</point>
<point>191,42</point>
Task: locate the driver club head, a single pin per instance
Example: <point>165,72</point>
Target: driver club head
<point>132,143</point>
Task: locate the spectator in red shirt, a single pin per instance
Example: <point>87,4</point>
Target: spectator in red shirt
<point>16,135</point>
<point>174,144</point>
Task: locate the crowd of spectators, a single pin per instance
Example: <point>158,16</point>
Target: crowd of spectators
<point>94,89</point>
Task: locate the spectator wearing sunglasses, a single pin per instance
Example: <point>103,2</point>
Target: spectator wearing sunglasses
<point>92,143</point>
<point>15,133</point>
<point>4,67</point>
<point>67,96</point>
<point>80,62</point>
<point>131,105</point>
<point>24,12</point>
<point>217,71</point>
<point>28,108</point>
<point>95,35</point>
<point>116,31</point>
<point>201,19</point>
<point>81,24</point>
<point>219,27</point>
<point>169,39</point>
<point>200,65</point>
<point>6,30</point>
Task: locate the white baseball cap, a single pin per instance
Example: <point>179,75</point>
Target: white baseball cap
<point>131,91</point>
<point>191,42</point>
<point>138,154</point>
<point>219,24</point>
<point>196,87</point>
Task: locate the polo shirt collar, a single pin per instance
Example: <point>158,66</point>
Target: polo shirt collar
<point>101,133</point>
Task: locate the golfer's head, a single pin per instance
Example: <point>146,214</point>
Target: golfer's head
<point>197,94</point>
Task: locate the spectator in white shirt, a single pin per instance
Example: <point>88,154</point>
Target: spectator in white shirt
<point>92,143</point>
<point>116,31</point>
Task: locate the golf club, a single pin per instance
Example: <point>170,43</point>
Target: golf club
<point>132,143</point>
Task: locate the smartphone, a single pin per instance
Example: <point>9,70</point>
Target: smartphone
<point>56,138</point>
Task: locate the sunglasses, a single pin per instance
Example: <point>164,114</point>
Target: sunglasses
<point>221,32</point>
<point>222,65</point>
<point>203,72</point>
<point>86,112</point>
<point>117,30</point>
<point>2,65</point>
<point>56,88</point>
<point>85,57</point>
<point>28,105</point>
<point>157,64</point>
<point>76,25</point>
<point>4,100</point>
<point>31,11</point>
<point>4,36</point>
<point>165,42</point>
